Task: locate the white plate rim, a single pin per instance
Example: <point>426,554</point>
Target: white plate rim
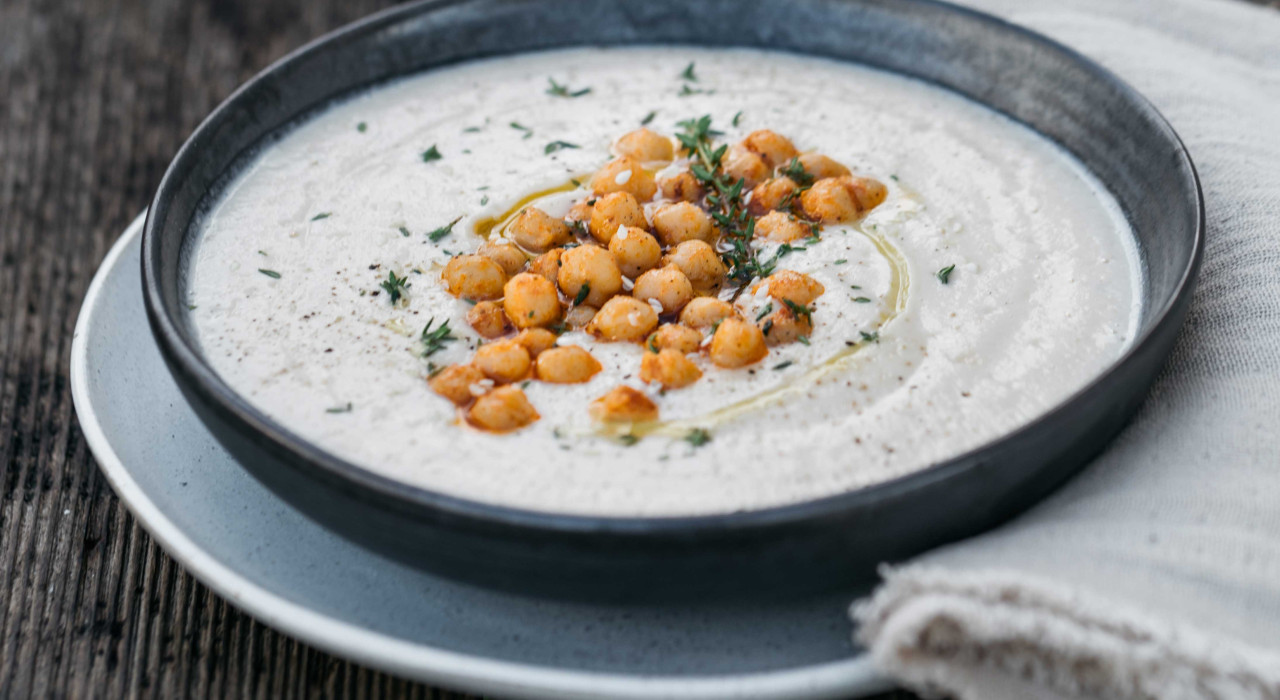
<point>467,672</point>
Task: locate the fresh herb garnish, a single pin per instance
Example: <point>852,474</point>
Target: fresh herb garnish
<point>944,275</point>
<point>795,170</point>
<point>471,130</point>
<point>804,339</point>
<point>872,337</point>
<point>583,292</point>
<point>783,365</point>
<point>433,369</point>
<point>339,409</point>
<point>395,286</point>
<point>431,154</point>
<point>628,440</point>
<point>688,73</point>
<point>404,232</point>
<point>799,310</point>
<point>322,215</point>
<point>737,118</point>
<point>528,133</point>
<point>841,261</point>
<point>433,340</point>
<point>685,91</point>
<point>557,146</point>
<point>698,437</point>
<point>648,118</point>
<point>484,200</point>
<point>765,311</point>
<point>443,231</point>
<point>558,90</point>
<point>270,273</point>
<point>362,127</point>
<point>861,300</point>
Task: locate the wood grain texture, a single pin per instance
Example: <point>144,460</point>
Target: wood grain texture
<point>95,97</point>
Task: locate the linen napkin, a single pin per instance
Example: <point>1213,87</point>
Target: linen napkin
<point>1156,572</point>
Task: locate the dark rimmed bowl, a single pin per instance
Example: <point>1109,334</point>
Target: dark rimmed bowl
<point>833,541</point>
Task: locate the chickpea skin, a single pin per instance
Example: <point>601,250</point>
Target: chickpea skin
<point>770,194</point>
<point>796,287</point>
<point>785,326</point>
<point>488,319</point>
<point>502,410</point>
<point>503,361</point>
<point>455,381</point>
<point>645,146</point>
<point>704,312</point>
<point>782,228</point>
<point>680,222</point>
<point>537,231</point>
<point>591,267</point>
<point>675,337</point>
<point>531,300</point>
<point>624,319</point>
<point>822,167</point>
<point>579,316</point>
<point>635,250</point>
<point>474,277</point>
<point>670,368</point>
<point>700,263</point>
<point>508,257</point>
<point>623,405</point>
<point>668,286</point>
<point>682,187</point>
<point>567,365</point>
<point>741,163</point>
<point>737,343</point>
<point>842,199</point>
<point>612,212</point>
<point>547,264</point>
<point>624,174</point>
<point>536,341</point>
<point>773,148</point>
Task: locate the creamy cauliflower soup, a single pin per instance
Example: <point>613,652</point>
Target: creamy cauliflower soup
<point>658,281</point>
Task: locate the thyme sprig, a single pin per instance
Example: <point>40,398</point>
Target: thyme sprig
<point>395,286</point>
<point>433,340</point>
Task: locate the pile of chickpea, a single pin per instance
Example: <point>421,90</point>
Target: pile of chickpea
<point>608,269</point>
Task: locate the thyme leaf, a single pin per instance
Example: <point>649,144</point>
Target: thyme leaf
<point>443,231</point>
<point>558,146</point>
<point>558,90</point>
<point>431,154</point>
<point>698,437</point>
<point>944,275</point>
<point>270,273</point>
<point>395,286</point>
<point>433,340</point>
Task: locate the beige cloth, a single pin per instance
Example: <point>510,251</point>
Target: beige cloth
<point>1156,572</point>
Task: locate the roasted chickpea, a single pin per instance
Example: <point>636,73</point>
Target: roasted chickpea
<point>668,286</point>
<point>624,319</point>
<point>623,405</point>
<point>682,186</point>
<point>537,231</point>
<point>796,287</point>
<point>502,410</point>
<point>613,211</point>
<point>670,368</point>
<point>579,316</point>
<point>474,277</point>
<point>822,167</point>
<point>536,341</point>
<point>773,148</point>
<point>674,336</point>
<point>567,365</point>
<point>503,361</point>
<point>706,311</point>
<point>508,257</point>
<point>624,174</point>
<point>645,146</point>
<point>739,162</point>
<point>635,250</point>
<point>591,267</point>
<point>770,194</point>
<point>488,319</point>
<point>737,343</point>
<point>781,227</point>
<point>682,221</point>
<point>456,383</point>
<point>785,326</point>
<point>531,300</point>
<point>842,199</point>
<point>547,264</point>
<point>579,212</point>
<point>700,263</point>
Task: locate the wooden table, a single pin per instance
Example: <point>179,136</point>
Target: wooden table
<point>95,97</point>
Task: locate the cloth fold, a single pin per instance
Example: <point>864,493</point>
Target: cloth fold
<point>1156,572</point>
